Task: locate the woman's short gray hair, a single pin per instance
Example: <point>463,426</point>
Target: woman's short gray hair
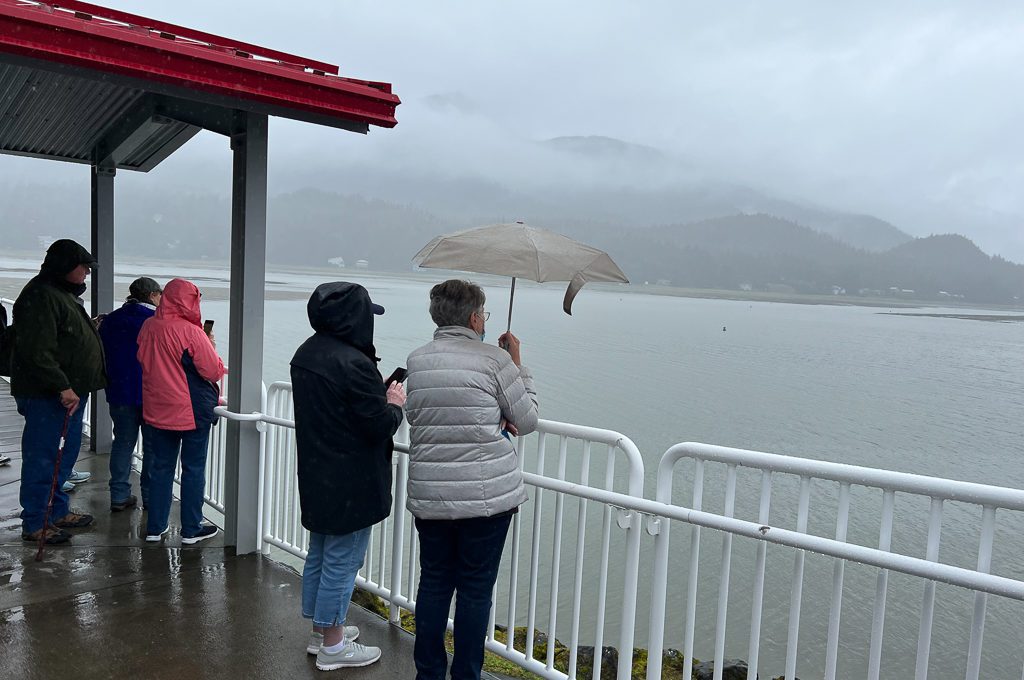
<point>452,302</point>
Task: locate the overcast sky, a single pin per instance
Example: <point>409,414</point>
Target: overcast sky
<point>911,111</point>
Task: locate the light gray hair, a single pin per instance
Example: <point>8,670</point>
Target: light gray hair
<point>452,302</point>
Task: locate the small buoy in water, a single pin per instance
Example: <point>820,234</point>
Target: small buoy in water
<point>723,329</point>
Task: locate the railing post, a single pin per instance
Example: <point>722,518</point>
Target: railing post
<point>398,526</point>
<point>632,576</point>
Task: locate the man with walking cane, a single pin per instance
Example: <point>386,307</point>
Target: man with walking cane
<point>56,362</point>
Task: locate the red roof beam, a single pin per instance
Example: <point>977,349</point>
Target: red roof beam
<point>60,37</point>
<point>153,24</point>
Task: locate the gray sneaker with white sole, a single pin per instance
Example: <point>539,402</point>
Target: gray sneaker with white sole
<point>352,655</point>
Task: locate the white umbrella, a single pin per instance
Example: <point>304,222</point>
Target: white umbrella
<point>521,251</point>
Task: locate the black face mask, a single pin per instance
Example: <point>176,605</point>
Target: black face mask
<point>75,289</point>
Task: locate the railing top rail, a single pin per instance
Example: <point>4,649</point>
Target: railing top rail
<point>934,487</point>
<point>937,571</point>
<point>594,434</point>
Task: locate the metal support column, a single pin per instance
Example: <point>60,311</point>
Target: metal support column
<point>245,335</point>
<point>102,284</point>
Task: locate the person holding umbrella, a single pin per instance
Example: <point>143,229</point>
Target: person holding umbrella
<point>464,478</point>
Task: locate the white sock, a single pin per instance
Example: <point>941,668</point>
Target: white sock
<point>334,649</point>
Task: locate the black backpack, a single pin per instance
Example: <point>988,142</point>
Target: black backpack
<point>6,342</point>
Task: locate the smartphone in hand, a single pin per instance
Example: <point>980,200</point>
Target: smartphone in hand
<point>398,375</point>
<point>208,326</point>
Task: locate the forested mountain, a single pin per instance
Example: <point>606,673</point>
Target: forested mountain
<point>759,251</point>
<point>767,253</point>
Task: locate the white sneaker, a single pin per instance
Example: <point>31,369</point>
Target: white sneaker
<point>352,655</point>
<point>77,477</point>
<point>316,640</point>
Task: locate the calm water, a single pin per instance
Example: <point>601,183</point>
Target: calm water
<point>942,397</point>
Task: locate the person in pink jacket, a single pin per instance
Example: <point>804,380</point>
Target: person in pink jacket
<point>180,375</point>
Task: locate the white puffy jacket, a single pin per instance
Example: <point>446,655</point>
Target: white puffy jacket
<point>459,389</point>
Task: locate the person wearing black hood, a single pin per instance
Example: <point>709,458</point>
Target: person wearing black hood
<point>56,362</point>
<point>344,421</point>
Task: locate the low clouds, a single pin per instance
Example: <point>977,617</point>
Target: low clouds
<point>910,111</point>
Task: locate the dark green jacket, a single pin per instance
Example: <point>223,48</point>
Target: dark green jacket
<point>56,345</point>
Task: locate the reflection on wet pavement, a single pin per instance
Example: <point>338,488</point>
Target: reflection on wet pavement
<point>109,605</point>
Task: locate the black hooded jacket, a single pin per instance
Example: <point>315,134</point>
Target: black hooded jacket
<point>343,423</point>
<point>56,345</point>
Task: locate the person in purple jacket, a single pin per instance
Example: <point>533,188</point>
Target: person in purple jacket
<point>119,332</point>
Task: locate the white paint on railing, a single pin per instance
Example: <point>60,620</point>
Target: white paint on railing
<point>394,577</point>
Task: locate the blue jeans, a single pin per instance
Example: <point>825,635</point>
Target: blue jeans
<point>127,421</point>
<point>329,575</point>
<point>458,556</point>
<point>40,440</point>
<point>166,445</point>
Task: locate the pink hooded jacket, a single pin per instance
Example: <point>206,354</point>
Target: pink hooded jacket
<point>170,342</point>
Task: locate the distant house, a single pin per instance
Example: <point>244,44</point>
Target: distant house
<point>664,282</point>
<point>746,286</point>
<point>362,264</point>
<point>838,290</point>
<point>337,262</point>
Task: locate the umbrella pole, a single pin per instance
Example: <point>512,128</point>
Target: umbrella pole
<point>511,296</point>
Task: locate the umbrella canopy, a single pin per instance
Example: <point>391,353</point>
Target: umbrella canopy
<point>521,251</point>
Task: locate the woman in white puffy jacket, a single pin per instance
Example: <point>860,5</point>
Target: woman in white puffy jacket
<point>464,478</point>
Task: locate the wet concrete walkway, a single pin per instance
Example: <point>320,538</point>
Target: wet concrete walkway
<point>111,606</point>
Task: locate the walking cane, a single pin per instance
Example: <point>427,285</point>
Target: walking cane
<point>53,486</point>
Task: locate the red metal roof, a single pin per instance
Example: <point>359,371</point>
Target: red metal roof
<point>86,36</point>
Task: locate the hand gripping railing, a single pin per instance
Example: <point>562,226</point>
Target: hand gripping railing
<point>938,490</point>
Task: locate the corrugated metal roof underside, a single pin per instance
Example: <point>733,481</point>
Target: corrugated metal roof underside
<point>59,116</point>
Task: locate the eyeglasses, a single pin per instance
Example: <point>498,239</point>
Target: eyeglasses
<point>484,315</point>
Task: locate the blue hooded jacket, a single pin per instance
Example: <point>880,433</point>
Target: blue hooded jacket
<point>119,332</point>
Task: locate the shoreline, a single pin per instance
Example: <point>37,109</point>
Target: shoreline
<point>10,286</point>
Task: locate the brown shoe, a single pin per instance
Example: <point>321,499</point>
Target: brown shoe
<point>73,520</point>
<point>53,536</point>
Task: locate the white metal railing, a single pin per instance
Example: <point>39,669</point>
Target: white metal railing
<point>389,570</point>
<point>540,545</point>
<point>936,491</point>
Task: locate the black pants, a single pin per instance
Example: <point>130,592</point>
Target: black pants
<point>460,557</point>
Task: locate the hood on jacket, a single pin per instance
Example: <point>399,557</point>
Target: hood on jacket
<point>343,310</point>
<point>64,255</point>
<point>61,258</point>
<point>181,301</point>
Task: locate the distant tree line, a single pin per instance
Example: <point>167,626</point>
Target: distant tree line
<point>764,252</point>
<point>310,227</point>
